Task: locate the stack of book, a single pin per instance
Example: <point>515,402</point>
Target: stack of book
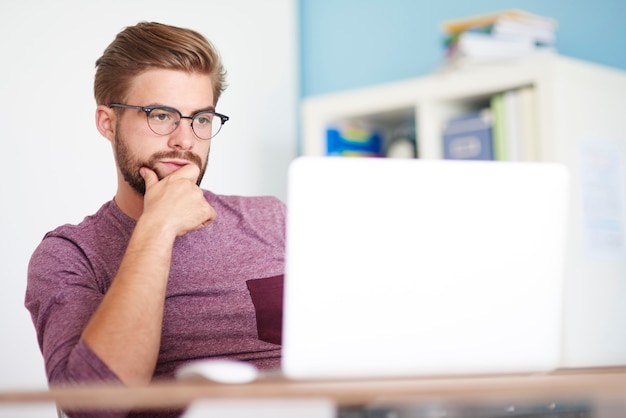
<point>499,36</point>
<point>505,130</point>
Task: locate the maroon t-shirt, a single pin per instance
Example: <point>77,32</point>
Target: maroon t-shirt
<point>222,278</point>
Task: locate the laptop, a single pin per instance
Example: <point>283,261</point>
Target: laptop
<point>399,268</point>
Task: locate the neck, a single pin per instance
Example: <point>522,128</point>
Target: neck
<point>129,201</point>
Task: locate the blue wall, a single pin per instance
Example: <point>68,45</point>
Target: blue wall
<point>346,44</point>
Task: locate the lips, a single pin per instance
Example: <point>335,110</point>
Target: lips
<point>174,165</point>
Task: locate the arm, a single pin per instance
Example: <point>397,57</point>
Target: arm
<point>125,330</point>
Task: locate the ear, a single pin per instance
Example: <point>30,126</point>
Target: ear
<point>105,121</point>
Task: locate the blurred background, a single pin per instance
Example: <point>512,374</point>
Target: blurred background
<point>347,44</point>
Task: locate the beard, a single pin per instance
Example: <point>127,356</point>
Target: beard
<point>129,166</point>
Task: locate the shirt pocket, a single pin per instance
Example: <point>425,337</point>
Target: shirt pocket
<point>267,298</point>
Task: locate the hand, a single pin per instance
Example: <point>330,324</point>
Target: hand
<point>176,202</point>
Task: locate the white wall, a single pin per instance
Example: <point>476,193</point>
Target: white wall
<point>56,168</point>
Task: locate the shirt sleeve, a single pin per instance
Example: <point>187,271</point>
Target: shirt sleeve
<point>62,293</point>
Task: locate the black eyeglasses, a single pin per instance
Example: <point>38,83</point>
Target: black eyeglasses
<point>164,120</point>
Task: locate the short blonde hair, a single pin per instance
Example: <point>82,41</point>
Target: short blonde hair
<point>150,45</point>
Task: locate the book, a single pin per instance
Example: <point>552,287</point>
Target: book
<point>499,127</point>
<point>529,135</point>
<point>513,124</point>
<point>484,47</point>
<point>486,20</point>
<point>537,32</point>
<point>514,130</point>
<point>469,136</point>
<point>353,141</point>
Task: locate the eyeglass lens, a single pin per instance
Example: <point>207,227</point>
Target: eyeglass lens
<point>164,121</point>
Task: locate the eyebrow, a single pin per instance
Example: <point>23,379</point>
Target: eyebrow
<point>206,109</point>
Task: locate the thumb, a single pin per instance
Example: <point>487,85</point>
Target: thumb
<point>149,177</point>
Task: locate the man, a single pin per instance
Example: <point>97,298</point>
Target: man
<point>166,272</point>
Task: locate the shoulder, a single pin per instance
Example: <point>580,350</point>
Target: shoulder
<point>89,251</point>
<point>106,224</point>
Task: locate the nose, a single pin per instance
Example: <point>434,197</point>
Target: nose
<point>183,136</point>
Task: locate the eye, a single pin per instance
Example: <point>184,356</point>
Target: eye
<point>162,116</point>
<point>204,119</point>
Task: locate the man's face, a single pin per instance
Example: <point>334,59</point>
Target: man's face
<point>135,144</point>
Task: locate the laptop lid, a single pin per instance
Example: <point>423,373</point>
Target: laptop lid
<point>423,267</point>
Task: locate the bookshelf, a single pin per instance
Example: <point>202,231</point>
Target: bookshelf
<point>579,121</point>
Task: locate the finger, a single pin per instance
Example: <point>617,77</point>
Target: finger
<point>149,177</point>
<point>212,215</point>
<point>190,171</point>
<point>205,224</point>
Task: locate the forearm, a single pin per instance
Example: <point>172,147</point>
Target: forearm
<point>125,331</point>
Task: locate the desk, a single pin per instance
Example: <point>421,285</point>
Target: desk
<point>596,386</point>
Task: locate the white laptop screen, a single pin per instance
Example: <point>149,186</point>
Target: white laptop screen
<point>414,267</point>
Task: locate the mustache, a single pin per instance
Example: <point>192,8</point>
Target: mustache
<point>178,155</point>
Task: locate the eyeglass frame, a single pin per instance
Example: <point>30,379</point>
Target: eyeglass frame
<point>149,109</point>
